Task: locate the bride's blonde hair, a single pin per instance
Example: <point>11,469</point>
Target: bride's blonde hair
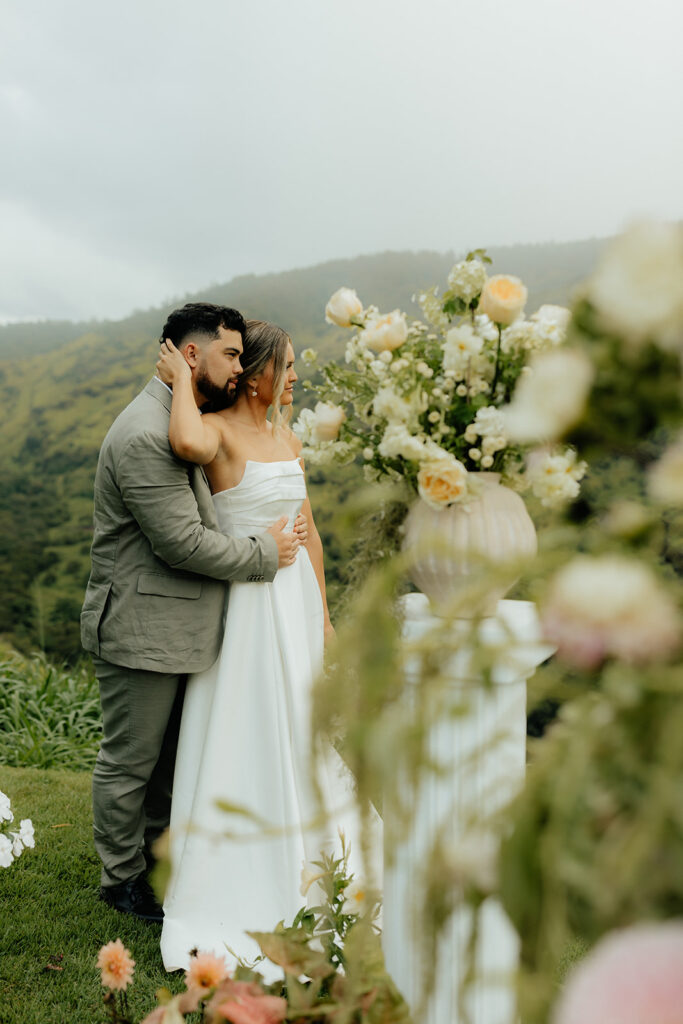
<point>264,343</point>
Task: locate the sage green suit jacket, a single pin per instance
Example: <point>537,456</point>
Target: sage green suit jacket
<point>157,589</point>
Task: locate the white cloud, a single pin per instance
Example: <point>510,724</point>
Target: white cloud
<point>160,146</point>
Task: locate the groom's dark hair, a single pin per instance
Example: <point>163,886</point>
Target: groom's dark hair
<point>201,318</point>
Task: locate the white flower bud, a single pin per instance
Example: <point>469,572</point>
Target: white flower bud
<point>343,308</point>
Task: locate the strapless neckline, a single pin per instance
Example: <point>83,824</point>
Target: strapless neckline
<point>255,462</point>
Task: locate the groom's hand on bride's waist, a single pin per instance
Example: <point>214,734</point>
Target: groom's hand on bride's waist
<point>287,543</point>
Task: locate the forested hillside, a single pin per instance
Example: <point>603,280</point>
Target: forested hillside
<point>62,384</point>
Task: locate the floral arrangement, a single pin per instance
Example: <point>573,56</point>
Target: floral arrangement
<point>589,854</point>
<point>330,957</point>
<point>431,401</point>
<point>13,842</point>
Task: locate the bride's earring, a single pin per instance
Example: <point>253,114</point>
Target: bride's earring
<point>254,393</point>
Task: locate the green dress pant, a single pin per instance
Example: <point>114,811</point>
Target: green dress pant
<point>133,776</point>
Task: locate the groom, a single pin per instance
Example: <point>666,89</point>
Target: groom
<point>153,608</point>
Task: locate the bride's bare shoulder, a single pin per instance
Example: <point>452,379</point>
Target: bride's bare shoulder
<point>293,441</point>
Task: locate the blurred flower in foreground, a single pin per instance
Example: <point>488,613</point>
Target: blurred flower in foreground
<point>248,1005</point>
<point>637,288</point>
<point>609,606</point>
<point>205,971</point>
<point>665,477</point>
<point>634,976</point>
<point>116,965</point>
<point>550,398</point>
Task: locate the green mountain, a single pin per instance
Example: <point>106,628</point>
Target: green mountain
<point>62,384</point>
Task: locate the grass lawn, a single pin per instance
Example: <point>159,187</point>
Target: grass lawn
<point>51,922</point>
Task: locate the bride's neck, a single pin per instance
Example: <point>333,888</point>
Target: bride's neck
<point>250,412</point>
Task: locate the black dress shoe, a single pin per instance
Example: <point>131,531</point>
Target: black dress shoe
<point>134,897</point>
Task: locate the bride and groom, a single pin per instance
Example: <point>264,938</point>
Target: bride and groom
<point>185,502</point>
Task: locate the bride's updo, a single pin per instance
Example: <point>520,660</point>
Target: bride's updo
<point>265,343</point>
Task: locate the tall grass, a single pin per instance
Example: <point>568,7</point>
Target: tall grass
<point>49,716</point>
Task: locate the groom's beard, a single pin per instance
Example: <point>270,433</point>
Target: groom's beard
<point>217,397</point>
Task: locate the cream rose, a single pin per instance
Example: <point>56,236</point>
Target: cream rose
<point>638,286</point>
<point>385,333</point>
<point>328,420</point>
<point>343,308</point>
<point>442,482</point>
<point>503,298</point>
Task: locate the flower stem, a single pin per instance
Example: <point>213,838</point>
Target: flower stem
<point>495,372</point>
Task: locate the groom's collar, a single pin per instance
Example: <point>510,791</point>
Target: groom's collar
<point>160,391</point>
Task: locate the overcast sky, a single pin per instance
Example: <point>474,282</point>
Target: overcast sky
<point>153,147</point>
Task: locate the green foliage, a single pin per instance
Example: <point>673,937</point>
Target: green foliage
<point>597,831</point>
<point>49,717</point>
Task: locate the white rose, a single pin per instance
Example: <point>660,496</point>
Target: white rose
<point>17,845</point>
<point>638,286</point>
<point>385,333</point>
<point>343,308</point>
<point>503,298</point>
<point>328,420</point>
<point>550,398</point>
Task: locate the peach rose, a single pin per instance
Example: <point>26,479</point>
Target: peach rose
<point>442,482</point>
<point>385,333</point>
<point>343,308</point>
<point>503,298</point>
<point>328,420</point>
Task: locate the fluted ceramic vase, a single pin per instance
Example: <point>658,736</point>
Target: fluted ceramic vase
<point>466,556</point>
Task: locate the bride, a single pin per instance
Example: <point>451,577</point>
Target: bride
<point>244,737</point>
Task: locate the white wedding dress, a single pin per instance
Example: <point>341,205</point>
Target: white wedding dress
<point>245,740</point>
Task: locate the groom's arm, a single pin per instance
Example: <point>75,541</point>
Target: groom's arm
<point>155,488</point>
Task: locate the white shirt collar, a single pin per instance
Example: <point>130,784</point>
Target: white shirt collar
<point>170,390</point>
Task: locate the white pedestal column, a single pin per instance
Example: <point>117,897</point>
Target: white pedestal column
<point>484,752</point>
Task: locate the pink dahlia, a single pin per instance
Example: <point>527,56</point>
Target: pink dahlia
<point>116,965</point>
<point>205,971</point>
